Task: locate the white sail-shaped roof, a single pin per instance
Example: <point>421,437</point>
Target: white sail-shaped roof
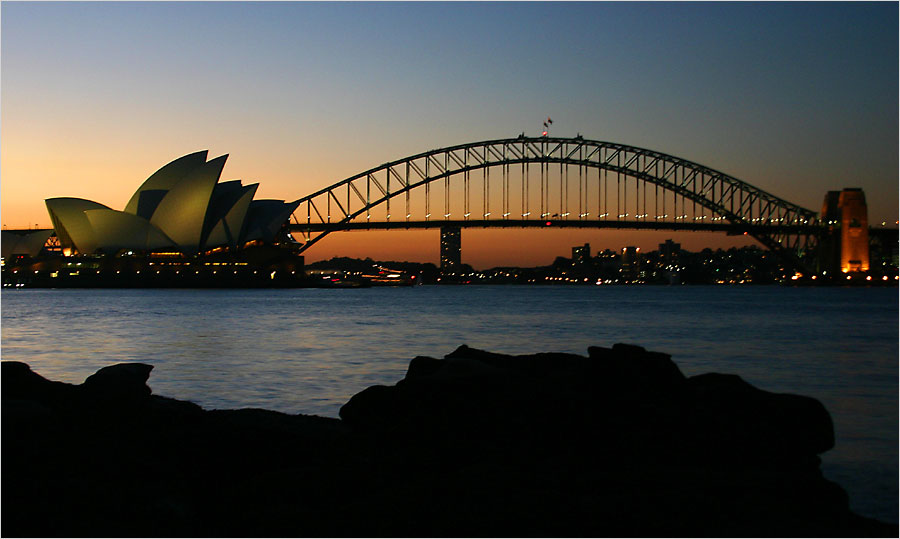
<point>145,200</point>
<point>117,230</point>
<point>181,213</point>
<point>224,196</point>
<point>23,242</point>
<point>179,207</point>
<point>265,217</point>
<point>227,229</point>
<point>72,227</point>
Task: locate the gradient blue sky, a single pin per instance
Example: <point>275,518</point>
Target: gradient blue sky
<point>797,98</point>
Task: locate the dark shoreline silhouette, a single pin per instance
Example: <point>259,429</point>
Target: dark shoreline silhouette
<point>616,443</point>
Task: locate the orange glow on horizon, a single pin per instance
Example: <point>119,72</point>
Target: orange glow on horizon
<point>33,175</point>
<point>486,248</point>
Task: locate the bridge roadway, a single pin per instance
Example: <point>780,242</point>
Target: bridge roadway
<point>884,233</point>
<point>729,228</point>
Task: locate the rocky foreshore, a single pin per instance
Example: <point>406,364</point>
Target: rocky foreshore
<point>616,443</point>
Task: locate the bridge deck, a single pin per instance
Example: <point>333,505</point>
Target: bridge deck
<point>555,223</point>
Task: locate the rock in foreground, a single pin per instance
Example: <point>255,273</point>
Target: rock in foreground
<point>619,443</point>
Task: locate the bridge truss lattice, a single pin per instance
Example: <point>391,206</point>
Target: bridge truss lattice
<point>552,181</point>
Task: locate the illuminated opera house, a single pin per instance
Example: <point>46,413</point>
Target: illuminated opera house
<point>181,208</point>
<point>181,228</point>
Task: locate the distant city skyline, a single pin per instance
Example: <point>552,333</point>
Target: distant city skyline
<point>794,98</point>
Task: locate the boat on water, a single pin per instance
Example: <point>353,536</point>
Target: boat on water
<point>386,277</point>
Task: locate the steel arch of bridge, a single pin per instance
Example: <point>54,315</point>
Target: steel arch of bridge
<point>737,207</point>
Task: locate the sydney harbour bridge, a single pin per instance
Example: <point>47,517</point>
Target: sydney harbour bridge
<point>547,182</point>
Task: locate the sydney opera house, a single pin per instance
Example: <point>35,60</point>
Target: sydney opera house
<point>181,208</point>
<point>181,228</point>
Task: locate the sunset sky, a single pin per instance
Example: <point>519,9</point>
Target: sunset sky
<point>796,99</point>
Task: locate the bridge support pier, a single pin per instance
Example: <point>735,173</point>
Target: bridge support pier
<point>451,253</point>
<point>844,248</point>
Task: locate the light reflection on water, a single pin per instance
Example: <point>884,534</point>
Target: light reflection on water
<point>309,350</point>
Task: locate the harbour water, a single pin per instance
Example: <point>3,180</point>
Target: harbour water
<point>309,350</point>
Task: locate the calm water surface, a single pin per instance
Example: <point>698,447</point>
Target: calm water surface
<point>309,350</point>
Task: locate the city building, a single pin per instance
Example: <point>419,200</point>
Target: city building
<point>668,252</point>
<point>630,265</point>
<point>668,262</point>
<point>181,208</point>
<point>581,254</point>
<point>451,248</point>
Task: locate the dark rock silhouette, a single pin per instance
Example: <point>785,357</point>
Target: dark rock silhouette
<point>619,443</point>
<point>124,381</point>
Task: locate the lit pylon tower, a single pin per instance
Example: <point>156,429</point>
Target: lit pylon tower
<point>845,248</point>
<point>854,231</point>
